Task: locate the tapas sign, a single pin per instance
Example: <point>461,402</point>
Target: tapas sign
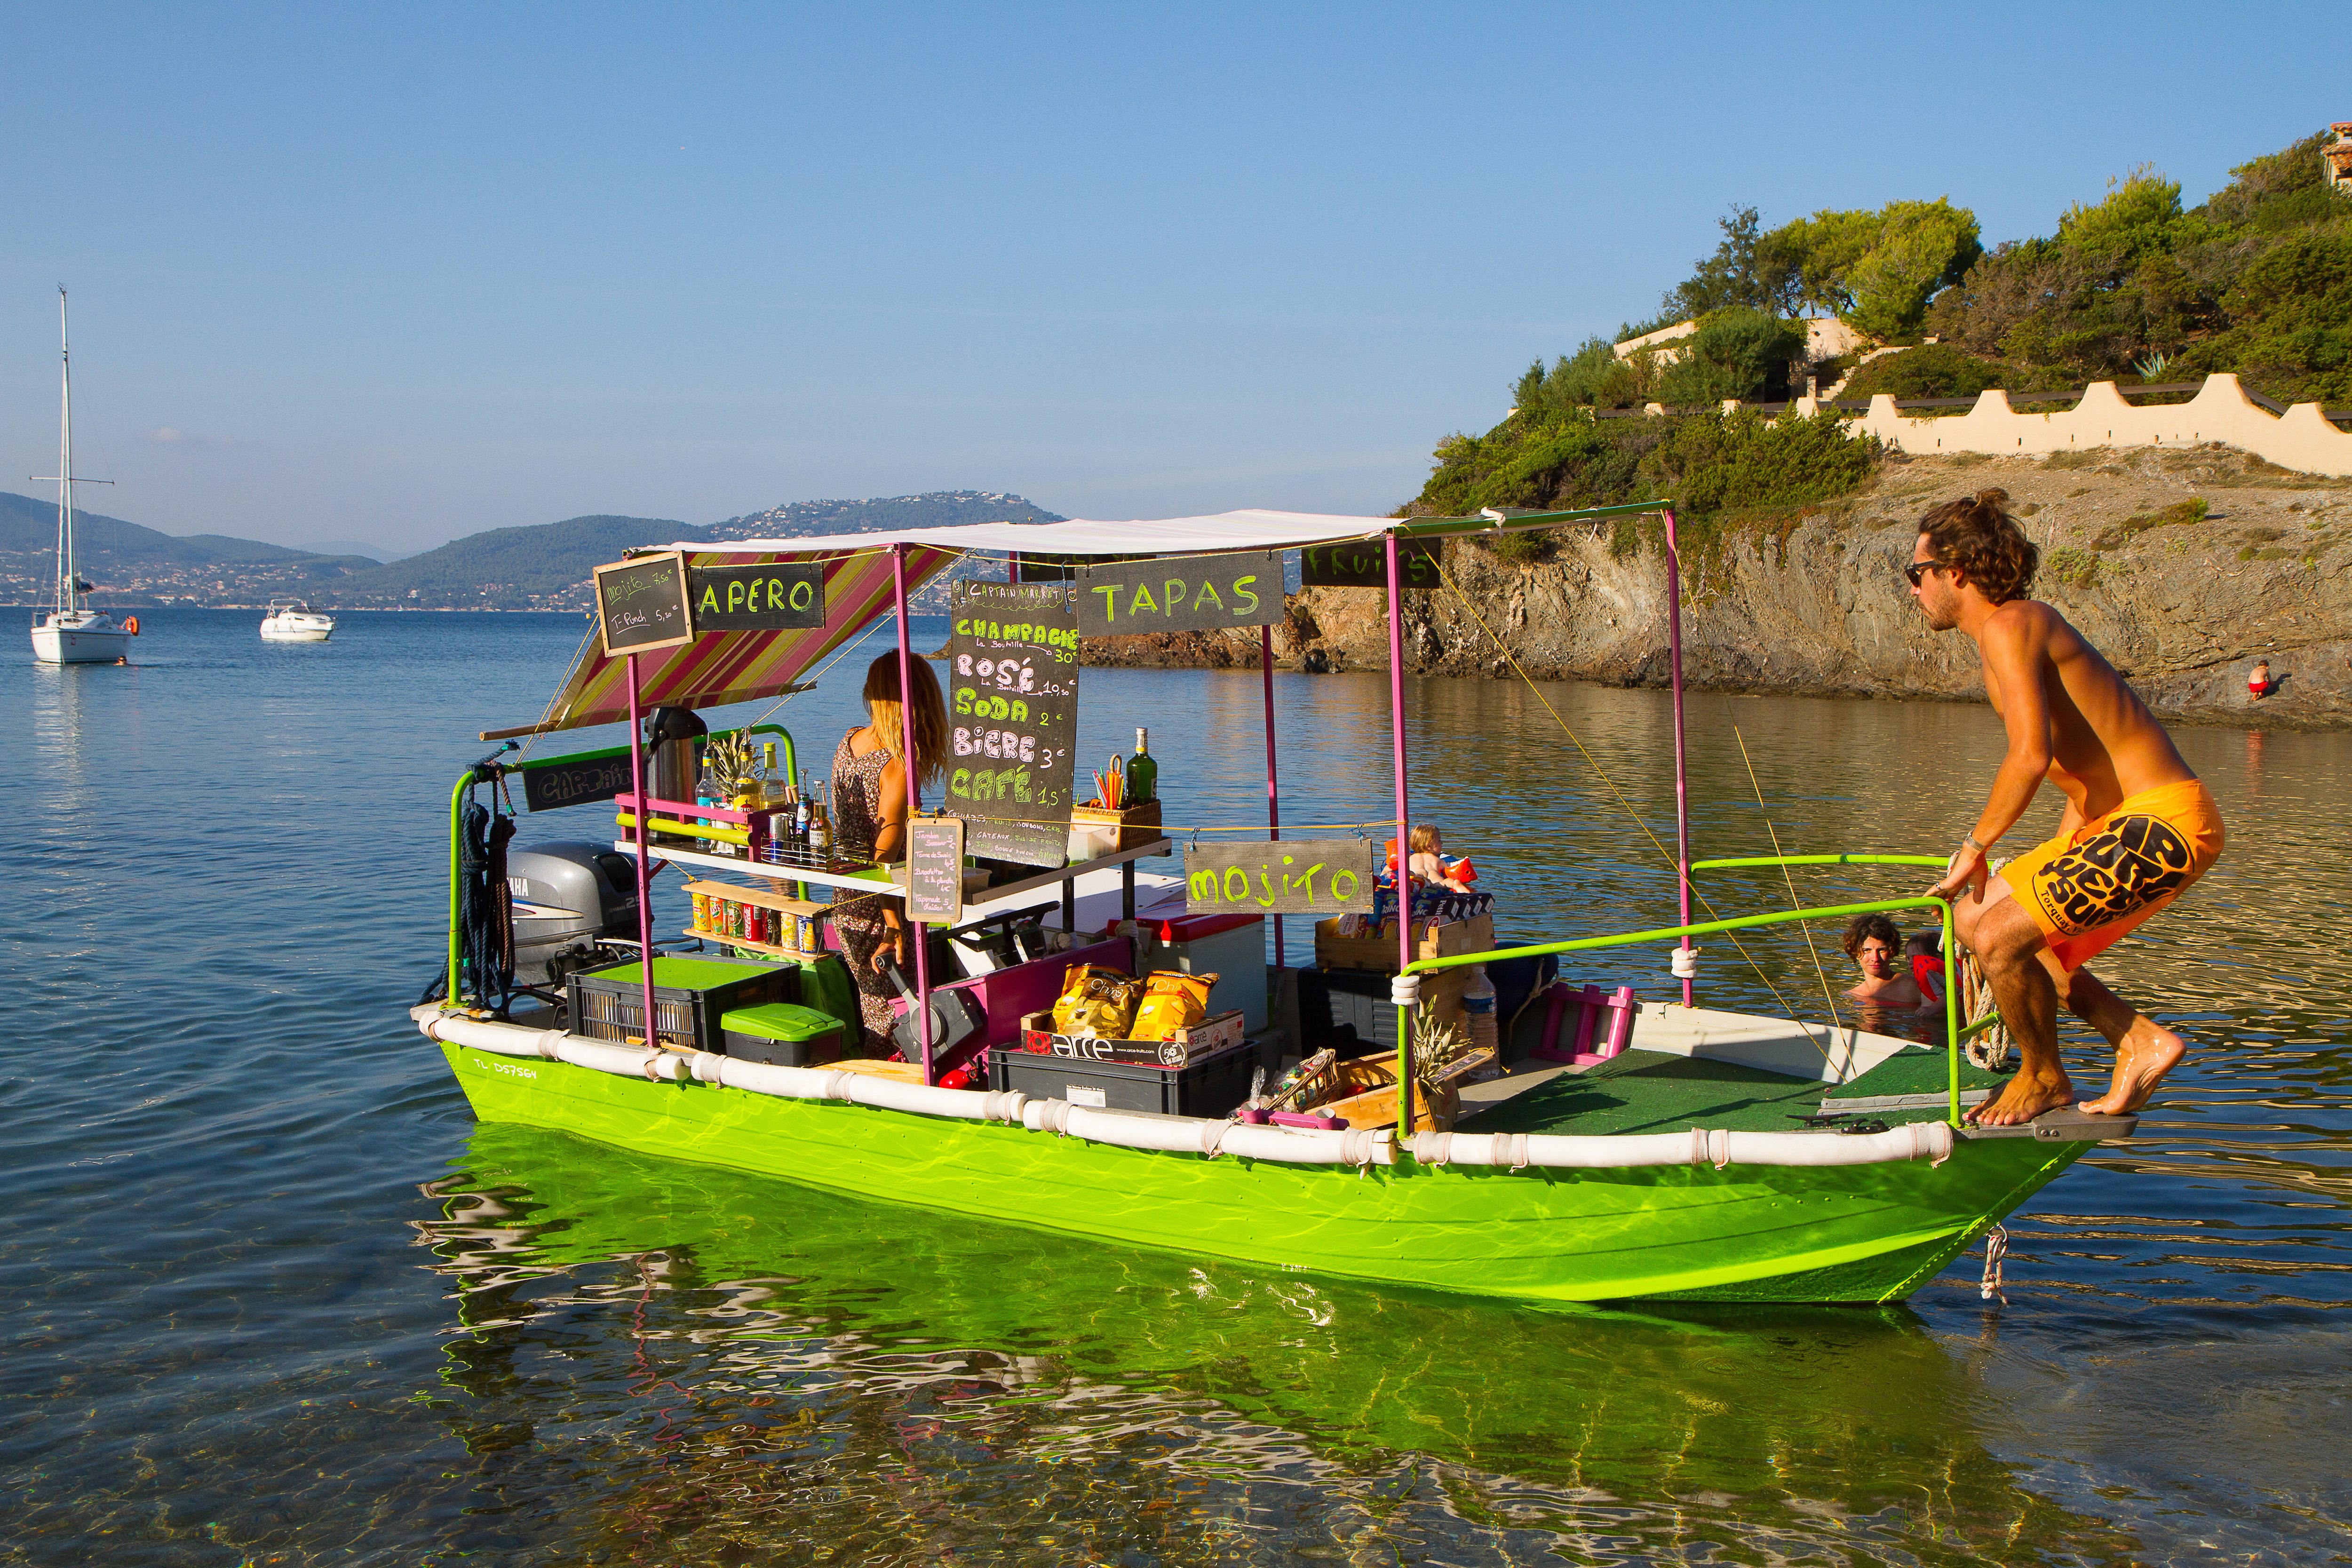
<point>641,604</point>
<point>1283,877</point>
<point>935,869</point>
<point>1186,595</point>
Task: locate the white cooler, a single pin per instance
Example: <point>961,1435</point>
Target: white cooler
<point>1230,946</point>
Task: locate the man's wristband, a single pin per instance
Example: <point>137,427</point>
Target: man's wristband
<point>1970,843</point>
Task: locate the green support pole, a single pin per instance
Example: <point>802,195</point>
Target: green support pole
<point>1952,1014</point>
<point>449,998</point>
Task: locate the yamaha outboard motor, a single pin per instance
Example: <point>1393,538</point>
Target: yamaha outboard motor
<point>567,899</point>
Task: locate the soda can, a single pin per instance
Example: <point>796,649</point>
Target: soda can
<point>703,912</point>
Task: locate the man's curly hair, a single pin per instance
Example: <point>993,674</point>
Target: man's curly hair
<point>1976,534</point>
<point>1862,927</point>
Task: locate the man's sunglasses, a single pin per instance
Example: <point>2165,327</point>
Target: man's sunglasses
<point>1919,569</point>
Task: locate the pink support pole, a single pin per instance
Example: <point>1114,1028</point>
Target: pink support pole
<point>1682,760</point>
<point>643,813</point>
<point>1403,841</point>
<point>1273,802</point>
<point>914,801</point>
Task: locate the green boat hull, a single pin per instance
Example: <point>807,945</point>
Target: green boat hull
<point>1745,1233</point>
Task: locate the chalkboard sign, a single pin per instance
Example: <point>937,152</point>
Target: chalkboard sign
<point>935,869</point>
<point>574,781</point>
<point>641,604</point>
<point>1365,565</point>
<point>1196,594</point>
<point>1013,717</point>
<point>785,596</point>
<point>1283,877</point>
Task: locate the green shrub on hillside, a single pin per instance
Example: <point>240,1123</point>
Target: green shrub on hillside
<point>1592,377</point>
<point>1736,354</point>
<point>1709,462</point>
<point>1931,370</point>
<point>1737,462</point>
<point>2136,277</point>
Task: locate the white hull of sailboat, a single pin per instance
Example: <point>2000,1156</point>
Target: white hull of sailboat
<point>53,645</point>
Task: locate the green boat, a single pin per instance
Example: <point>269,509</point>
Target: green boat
<point>1699,1154</point>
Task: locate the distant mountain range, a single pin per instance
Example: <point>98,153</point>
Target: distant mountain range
<point>542,566</point>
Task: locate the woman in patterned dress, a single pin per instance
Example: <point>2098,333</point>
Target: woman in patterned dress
<point>869,814</point>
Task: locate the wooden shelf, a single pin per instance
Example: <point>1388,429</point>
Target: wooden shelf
<point>760,896</point>
<point>749,946</point>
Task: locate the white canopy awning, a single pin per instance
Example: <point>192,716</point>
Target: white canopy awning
<point>1150,536</point>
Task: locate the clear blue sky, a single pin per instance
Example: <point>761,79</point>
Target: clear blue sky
<point>402,273</point>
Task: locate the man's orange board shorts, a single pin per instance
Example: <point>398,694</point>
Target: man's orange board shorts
<point>2089,888</point>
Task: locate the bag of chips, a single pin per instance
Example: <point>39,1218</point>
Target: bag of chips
<point>1172,1002</point>
<point>1096,1001</point>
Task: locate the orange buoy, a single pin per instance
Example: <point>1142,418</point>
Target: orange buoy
<point>131,625</point>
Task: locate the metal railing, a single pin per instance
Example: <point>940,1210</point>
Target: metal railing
<point>1743,922</point>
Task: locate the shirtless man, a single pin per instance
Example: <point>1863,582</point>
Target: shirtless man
<point>2138,829</point>
<point>1877,948</point>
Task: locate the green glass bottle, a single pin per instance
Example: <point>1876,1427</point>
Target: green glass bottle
<point>1142,773</point>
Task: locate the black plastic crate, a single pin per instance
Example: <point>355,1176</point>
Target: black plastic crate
<point>1212,1086</point>
<point>690,996</point>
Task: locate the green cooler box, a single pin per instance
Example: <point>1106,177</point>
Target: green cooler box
<point>783,1034</point>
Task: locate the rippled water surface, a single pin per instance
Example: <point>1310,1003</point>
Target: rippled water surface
<point>274,1296</point>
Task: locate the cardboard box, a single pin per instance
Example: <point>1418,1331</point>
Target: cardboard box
<point>1436,940</point>
<point>1186,1047</point>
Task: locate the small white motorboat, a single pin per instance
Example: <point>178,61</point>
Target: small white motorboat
<point>291,620</point>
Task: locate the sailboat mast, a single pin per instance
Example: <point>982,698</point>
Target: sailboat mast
<point>67,598</point>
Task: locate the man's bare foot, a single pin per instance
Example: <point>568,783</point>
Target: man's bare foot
<point>2139,1068</point>
<point>2026,1097</point>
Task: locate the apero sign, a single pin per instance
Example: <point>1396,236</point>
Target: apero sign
<point>1197,594</point>
<point>785,596</point>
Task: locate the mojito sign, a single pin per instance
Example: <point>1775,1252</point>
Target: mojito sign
<point>1283,877</point>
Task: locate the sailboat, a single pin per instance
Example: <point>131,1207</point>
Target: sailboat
<point>73,633</point>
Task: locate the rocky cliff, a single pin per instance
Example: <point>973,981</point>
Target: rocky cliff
<point>1814,603</point>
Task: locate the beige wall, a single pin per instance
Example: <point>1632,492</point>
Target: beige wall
<point>2300,439</point>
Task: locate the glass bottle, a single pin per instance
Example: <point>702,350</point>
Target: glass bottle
<point>820,833</point>
<point>1142,771</point>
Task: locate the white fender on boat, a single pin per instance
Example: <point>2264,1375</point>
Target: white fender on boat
<point>1311,1145</point>
<point>1929,1141</point>
<point>555,1046</point>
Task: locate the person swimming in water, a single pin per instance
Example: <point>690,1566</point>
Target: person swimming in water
<point>1877,947</point>
<point>2139,826</point>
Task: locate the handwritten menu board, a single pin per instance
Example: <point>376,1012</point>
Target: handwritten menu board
<point>1201,592</point>
<point>1364,564</point>
<point>782,597</point>
<point>1283,877</point>
<point>935,869</point>
<point>1012,717</point>
<point>641,604</point>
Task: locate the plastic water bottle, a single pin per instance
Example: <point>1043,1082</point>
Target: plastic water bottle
<point>1478,1005</point>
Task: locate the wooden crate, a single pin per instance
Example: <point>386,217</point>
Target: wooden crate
<point>1374,1102</point>
<point>1137,825</point>
<point>1333,950</point>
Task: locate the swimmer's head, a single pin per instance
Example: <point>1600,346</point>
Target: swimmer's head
<point>1871,941</point>
<point>1972,543</point>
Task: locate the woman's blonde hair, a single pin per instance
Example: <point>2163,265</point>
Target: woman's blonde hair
<point>930,715</point>
<point>1424,838</point>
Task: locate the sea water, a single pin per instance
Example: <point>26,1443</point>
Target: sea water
<point>273,1296</point>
